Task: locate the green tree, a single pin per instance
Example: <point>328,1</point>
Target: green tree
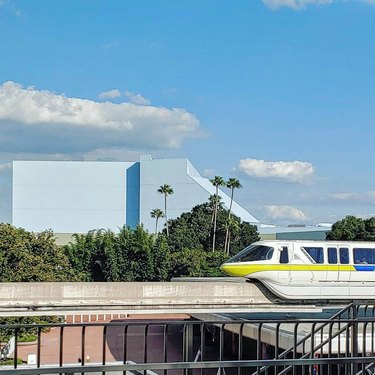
<point>217,181</point>
<point>156,214</point>
<point>140,254</point>
<point>166,190</point>
<point>370,229</point>
<point>26,256</point>
<point>234,229</point>
<point>350,228</point>
<point>126,256</point>
<point>161,259</point>
<point>232,184</point>
<point>95,255</point>
<point>213,261</point>
<point>188,262</point>
<point>191,230</point>
<point>81,252</point>
<point>247,234</point>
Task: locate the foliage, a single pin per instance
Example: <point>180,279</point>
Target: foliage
<point>24,334</point>
<point>161,259</point>
<point>188,262</point>
<point>215,200</point>
<point>130,255</point>
<point>197,263</point>
<point>166,190</point>
<point>157,213</point>
<point>211,267</point>
<point>192,230</point>
<point>9,361</point>
<point>232,184</point>
<point>26,256</point>
<point>28,337</point>
<point>352,228</point>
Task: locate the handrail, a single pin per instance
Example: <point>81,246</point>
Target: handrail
<point>334,317</point>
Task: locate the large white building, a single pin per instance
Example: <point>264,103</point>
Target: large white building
<point>77,196</point>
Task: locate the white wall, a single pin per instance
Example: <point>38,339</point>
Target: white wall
<point>190,189</point>
<point>68,196</point>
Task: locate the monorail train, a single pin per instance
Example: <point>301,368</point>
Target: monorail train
<point>302,270</point>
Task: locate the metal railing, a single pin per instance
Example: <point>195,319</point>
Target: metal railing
<point>343,344</point>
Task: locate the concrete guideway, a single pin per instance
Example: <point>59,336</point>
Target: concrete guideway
<point>54,298</point>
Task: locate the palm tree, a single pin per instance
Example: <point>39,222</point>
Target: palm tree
<point>157,213</point>
<point>166,190</point>
<point>216,181</point>
<point>213,200</point>
<point>232,184</point>
<point>234,228</point>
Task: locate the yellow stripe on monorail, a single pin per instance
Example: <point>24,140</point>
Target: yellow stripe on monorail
<point>242,269</point>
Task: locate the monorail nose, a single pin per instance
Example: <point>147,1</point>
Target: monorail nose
<point>229,269</point>
<point>224,267</point>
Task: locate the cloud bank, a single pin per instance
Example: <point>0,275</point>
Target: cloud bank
<point>137,98</point>
<point>294,171</point>
<point>285,212</point>
<point>38,121</point>
<point>301,4</point>
<point>366,197</point>
<point>111,94</point>
<point>294,4</point>
<point>5,167</point>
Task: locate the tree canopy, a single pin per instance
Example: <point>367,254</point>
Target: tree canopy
<point>193,230</point>
<point>127,255</point>
<point>26,256</point>
<point>130,255</point>
<point>352,228</point>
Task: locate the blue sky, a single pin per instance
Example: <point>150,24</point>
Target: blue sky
<point>277,93</point>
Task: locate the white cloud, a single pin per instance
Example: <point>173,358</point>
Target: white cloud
<point>5,167</point>
<point>111,44</point>
<point>109,94</point>
<point>208,172</point>
<point>285,212</point>
<point>44,122</point>
<point>136,98</point>
<point>294,4</point>
<point>366,197</point>
<point>293,171</point>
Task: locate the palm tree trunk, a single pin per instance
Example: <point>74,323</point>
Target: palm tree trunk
<point>215,218</point>
<point>156,226</point>
<point>214,234</point>
<point>226,247</point>
<point>228,242</point>
<point>165,213</point>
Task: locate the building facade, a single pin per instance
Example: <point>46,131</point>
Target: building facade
<point>78,196</point>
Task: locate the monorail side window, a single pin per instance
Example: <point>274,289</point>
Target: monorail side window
<point>316,253</point>
<point>344,255</point>
<point>363,255</point>
<point>253,253</point>
<point>332,255</point>
<point>284,256</point>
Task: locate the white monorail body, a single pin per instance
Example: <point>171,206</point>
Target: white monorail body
<point>302,270</point>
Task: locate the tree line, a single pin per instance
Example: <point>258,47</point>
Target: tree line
<point>127,254</point>
<point>231,225</point>
<point>138,255</point>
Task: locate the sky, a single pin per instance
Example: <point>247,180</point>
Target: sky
<point>279,94</point>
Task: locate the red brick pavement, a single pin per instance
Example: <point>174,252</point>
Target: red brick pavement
<point>50,342</point>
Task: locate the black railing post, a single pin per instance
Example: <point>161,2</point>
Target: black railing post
<point>188,345</point>
<point>354,336</point>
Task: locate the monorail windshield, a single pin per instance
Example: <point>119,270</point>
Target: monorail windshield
<point>253,253</point>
